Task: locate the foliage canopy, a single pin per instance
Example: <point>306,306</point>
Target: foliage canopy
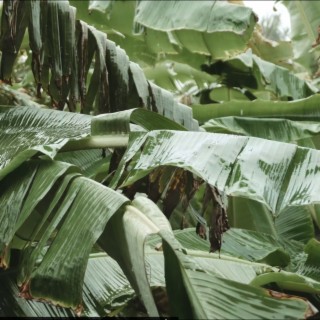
<point>158,158</point>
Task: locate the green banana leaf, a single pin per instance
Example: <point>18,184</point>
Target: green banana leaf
<point>106,286</point>
<point>157,223</point>
<point>26,131</point>
<point>14,306</point>
<point>128,250</point>
<point>158,44</point>
<point>34,182</point>
<point>208,25</point>
<point>270,196</point>
<point>309,266</point>
<point>17,14</point>
<point>247,70</point>
<point>163,41</point>
<point>268,128</point>
<point>240,243</point>
<point>106,290</point>
<point>94,164</point>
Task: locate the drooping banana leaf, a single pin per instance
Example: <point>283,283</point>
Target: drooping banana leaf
<point>93,163</point>
<point>59,276</point>
<point>267,182</point>
<point>109,287</point>
<point>36,182</point>
<point>163,41</point>
<point>115,84</point>
<point>14,15</point>
<point>129,252</point>
<point>225,267</point>
<point>14,306</point>
<point>103,292</point>
<point>260,296</point>
<point>26,131</point>
<point>309,266</point>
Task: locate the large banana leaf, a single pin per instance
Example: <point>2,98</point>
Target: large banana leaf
<point>158,45</point>
<point>55,273</point>
<point>240,243</point>
<point>155,222</point>
<point>200,32</point>
<point>277,179</point>
<point>105,285</point>
<point>131,231</point>
<point>26,131</point>
<point>171,41</point>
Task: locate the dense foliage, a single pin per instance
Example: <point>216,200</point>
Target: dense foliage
<point>158,158</point>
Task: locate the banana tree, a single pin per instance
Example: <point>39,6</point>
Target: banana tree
<point>88,200</point>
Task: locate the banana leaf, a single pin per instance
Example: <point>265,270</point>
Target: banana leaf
<point>192,279</point>
<point>208,24</point>
<point>270,197</point>
<point>268,128</point>
<point>106,290</point>
<point>248,70</point>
